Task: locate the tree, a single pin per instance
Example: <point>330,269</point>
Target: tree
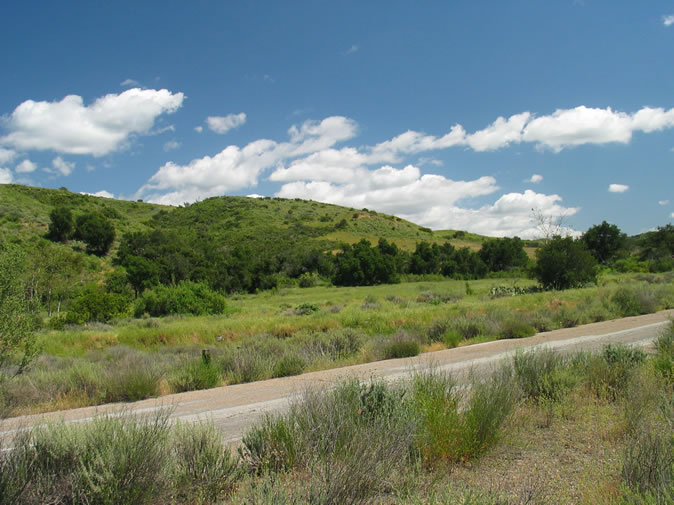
<point>60,225</point>
<point>604,241</point>
<point>503,254</point>
<point>96,231</point>
<point>564,263</point>
<point>142,273</point>
<point>17,320</point>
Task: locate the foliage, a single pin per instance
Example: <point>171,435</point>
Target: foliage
<point>17,321</point>
<point>364,265</point>
<point>60,224</point>
<point>401,349</point>
<point>605,241</point>
<point>96,231</point>
<point>93,303</point>
<point>184,298</point>
<point>503,254</point>
<point>659,244</point>
<point>564,263</point>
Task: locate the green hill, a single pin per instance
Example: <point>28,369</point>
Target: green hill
<point>24,216</point>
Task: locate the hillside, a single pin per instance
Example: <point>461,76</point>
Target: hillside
<point>24,215</point>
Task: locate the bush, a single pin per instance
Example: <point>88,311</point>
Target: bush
<point>184,298</point>
<point>96,231</point>
<point>401,349</point>
<point>542,375</point>
<point>609,374</point>
<point>60,224</point>
<point>635,300</point>
<point>93,303</point>
<point>289,365</point>
<point>195,375</point>
<point>564,263</point>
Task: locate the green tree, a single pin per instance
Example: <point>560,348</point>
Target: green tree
<point>503,254</point>
<point>60,224</point>
<point>604,241</point>
<point>96,231</point>
<point>564,263</point>
<point>142,273</point>
<point>17,318</point>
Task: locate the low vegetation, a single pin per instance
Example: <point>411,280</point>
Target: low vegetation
<point>604,420</point>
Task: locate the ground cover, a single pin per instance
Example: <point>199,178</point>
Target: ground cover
<point>542,429</point>
<point>291,330</point>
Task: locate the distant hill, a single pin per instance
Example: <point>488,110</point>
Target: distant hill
<point>24,216</point>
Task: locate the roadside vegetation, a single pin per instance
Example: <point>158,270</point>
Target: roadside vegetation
<point>541,429</point>
<point>109,301</point>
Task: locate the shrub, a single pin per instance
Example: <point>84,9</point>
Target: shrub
<point>635,300</point>
<point>93,303</point>
<point>96,231</point>
<point>401,349</point>
<point>289,365</point>
<point>542,375</point>
<point>515,327</point>
<point>60,224</point>
<point>184,298</point>
<point>205,470</point>
<point>195,375</point>
<point>609,374</point>
<point>564,263</point>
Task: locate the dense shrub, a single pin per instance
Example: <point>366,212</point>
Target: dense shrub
<point>401,349</point>
<point>96,231</point>
<point>93,303</point>
<point>635,299</point>
<point>60,224</point>
<point>564,263</point>
<point>184,298</point>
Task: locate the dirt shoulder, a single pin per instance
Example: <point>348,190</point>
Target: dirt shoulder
<point>234,408</point>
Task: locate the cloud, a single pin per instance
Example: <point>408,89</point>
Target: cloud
<point>353,49</point>
<point>535,179</point>
<point>433,200</point>
<point>663,202</point>
<point>171,145</point>
<point>102,194</point>
<point>6,176</point>
<point>255,195</point>
<point>198,129</point>
<point>62,167</point>
<point>235,168</point>
<point>104,126</point>
<point>129,83</point>
<point>25,167</point>
<point>222,124</point>
<point>618,188</point>
<point>499,134</point>
<point>6,156</point>
<point>668,20</point>
<point>584,125</point>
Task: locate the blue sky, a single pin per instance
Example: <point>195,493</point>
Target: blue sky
<point>461,115</point>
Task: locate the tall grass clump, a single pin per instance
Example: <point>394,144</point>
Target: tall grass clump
<point>114,460</point>
<point>635,299</point>
<point>609,373</point>
<point>664,357</point>
<point>543,375</point>
<point>355,441</point>
<point>456,425</point>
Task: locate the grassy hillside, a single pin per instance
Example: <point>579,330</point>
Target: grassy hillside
<point>24,215</point>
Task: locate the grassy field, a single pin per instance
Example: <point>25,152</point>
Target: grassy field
<point>291,330</point>
<point>542,429</point>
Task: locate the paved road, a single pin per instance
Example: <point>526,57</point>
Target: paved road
<point>235,408</point>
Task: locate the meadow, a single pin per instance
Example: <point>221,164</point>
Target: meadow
<point>287,331</point>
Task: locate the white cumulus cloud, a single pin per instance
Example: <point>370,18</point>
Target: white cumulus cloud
<point>668,20</point>
<point>535,179</point>
<point>663,202</point>
<point>618,188</point>
<point>6,176</point>
<point>222,124</point>
<point>70,126</point>
<point>62,167</point>
<point>129,82</point>
<point>25,167</point>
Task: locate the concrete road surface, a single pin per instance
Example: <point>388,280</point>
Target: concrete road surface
<point>234,409</point>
